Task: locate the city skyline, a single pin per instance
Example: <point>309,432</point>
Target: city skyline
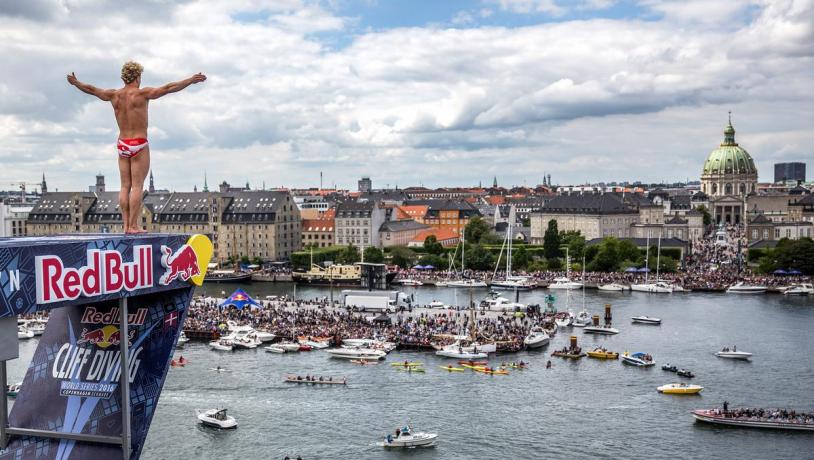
<point>439,95</point>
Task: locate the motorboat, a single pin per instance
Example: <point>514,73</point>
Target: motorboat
<point>467,283</point>
<point>406,438</point>
<point>182,340</point>
<point>221,345</point>
<point>717,416</point>
<point>245,339</point>
<point>680,389</point>
<point>357,353</point>
<point>685,373</point>
<point>217,418</point>
<point>601,353</point>
<point>502,304</point>
<point>612,287</point>
<point>537,338</point>
<point>669,368</point>
<point>564,283</point>
<point>37,326</point>
<point>564,319</point>
<point>410,282</point>
<point>315,344</point>
<point>359,343</point>
<point>733,354</point>
<point>458,351</point>
<point>646,320</point>
<point>659,287</point>
<point>264,336</point>
<point>603,330</point>
<point>799,289</point>
<point>638,359</point>
<point>743,288</point>
<point>24,333</point>
<point>274,349</point>
<point>437,304</point>
<point>519,283</point>
<point>582,319</point>
<point>289,346</point>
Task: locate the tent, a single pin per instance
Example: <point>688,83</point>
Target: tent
<point>419,267</point>
<point>780,271</point>
<point>239,299</point>
<point>794,271</point>
<point>631,270</point>
<point>644,270</point>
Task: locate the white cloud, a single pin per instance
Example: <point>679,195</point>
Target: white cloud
<point>592,99</point>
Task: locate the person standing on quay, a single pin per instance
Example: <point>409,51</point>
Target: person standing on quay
<point>130,107</point>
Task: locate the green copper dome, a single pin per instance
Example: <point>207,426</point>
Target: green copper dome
<point>729,158</point>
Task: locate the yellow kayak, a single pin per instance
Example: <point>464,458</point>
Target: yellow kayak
<point>680,389</point>
<point>410,364</point>
<point>452,369</point>
<point>474,368</point>
<point>603,354</point>
<point>493,372</point>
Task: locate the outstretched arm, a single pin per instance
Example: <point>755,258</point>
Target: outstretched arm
<point>174,87</point>
<point>103,94</point>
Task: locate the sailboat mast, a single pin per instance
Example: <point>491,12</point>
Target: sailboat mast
<point>647,258</point>
<point>658,260</point>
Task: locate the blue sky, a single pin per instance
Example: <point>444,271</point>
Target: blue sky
<point>431,92</point>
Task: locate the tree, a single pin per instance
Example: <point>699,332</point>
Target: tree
<point>402,256</point>
<point>607,257</point>
<point>478,231</point>
<point>795,255</point>
<point>437,262</point>
<point>520,258</point>
<point>432,246</point>
<point>551,241</point>
<point>257,260</point>
<point>554,264</point>
<point>373,255</point>
<point>478,258</point>
<point>575,242</point>
<point>244,260</point>
<point>349,255</point>
<point>629,251</point>
<point>707,217</point>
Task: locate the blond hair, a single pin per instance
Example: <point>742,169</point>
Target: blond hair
<point>131,70</point>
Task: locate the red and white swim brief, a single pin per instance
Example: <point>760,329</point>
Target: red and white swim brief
<point>128,148</point>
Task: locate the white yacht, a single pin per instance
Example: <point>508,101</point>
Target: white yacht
<point>646,320</point>
<point>799,289</point>
<point>612,287</point>
<point>264,336</point>
<point>315,344</point>
<point>733,354</point>
<point>182,339</point>
<point>582,319</point>
<point>517,283</point>
<point>743,288</point>
<point>454,351</point>
<point>602,330</point>
<point>406,438</point>
<point>659,287</point>
<point>245,337</point>
<point>502,304</point>
<point>537,338</point>
<point>274,349</point>
<point>37,326</point>
<point>217,418</point>
<point>366,354</point>
<point>564,283</point>
<point>466,283</point>
<point>564,319</point>
<point>410,282</point>
<point>221,345</point>
<point>24,333</point>
<point>288,346</point>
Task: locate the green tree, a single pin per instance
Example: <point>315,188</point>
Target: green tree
<point>554,264</point>
<point>438,262</point>
<point>373,255</point>
<point>478,258</point>
<point>537,266</point>
<point>629,251</point>
<point>607,257</point>
<point>402,256</point>
<point>257,260</point>
<point>707,217</point>
<point>478,231</point>
<point>520,258</point>
<point>551,241</point>
<point>575,242</point>
<point>432,246</point>
<point>795,255</point>
<point>349,255</point>
<point>245,260</point>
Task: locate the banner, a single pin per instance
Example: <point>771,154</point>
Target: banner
<point>72,383</point>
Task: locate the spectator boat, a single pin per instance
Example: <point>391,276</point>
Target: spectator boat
<point>564,283</point>
<point>406,438</point>
<point>537,338</point>
<point>769,420</point>
<point>613,287</point>
<point>743,288</point>
<point>680,389</point>
<point>221,345</point>
<point>799,289</point>
<point>217,418</point>
<point>646,320</point>
<point>24,333</point>
<point>357,353</point>
<point>638,359</point>
<point>733,354</point>
<point>182,339</point>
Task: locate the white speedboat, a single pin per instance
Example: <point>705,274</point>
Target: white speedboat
<point>799,289</point>
<point>638,359</point>
<point>564,319</point>
<point>221,345</point>
<point>602,330</point>
<point>646,320</point>
<point>315,344</point>
<point>467,283</point>
<point>182,339</point>
<point>612,287</point>
<point>359,343</point>
<point>582,319</point>
<point>659,287</point>
<point>519,283</point>
<point>367,354</point>
<point>502,304</point>
<point>458,351</point>
<point>410,282</point>
<point>730,354</point>
<point>537,338</point>
<point>274,349</point>
<point>406,438</point>
<point>289,346</point>
<point>37,326</point>
<point>743,288</point>
<point>264,336</point>
<point>564,283</point>
<point>217,418</point>
<point>24,333</point>
<point>437,304</point>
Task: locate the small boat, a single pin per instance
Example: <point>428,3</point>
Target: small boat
<point>182,339</point>
<point>582,319</point>
<point>489,371</point>
<point>408,282</point>
<point>669,368</point>
<point>733,354</point>
<point>603,330</point>
<point>357,353</point>
<point>799,289</point>
<point>406,438</point>
<point>221,345</point>
<point>24,333</point>
<point>452,369</point>
<point>680,389</point>
<point>466,283</point>
<point>362,362</point>
<point>537,338</point>
<point>638,359</point>
<point>612,287</point>
<point>14,389</point>
<point>274,349</point>
<point>743,288</point>
<point>719,417</point>
<point>601,353</point>
<point>564,283</point>
<point>659,287</point>
<point>570,354</point>
<point>289,346</point>
<point>646,320</point>
<point>217,418</point>
<point>685,373</point>
<point>437,304</point>
<point>264,336</point>
<point>564,319</point>
<point>315,344</point>
<point>315,380</point>
<point>37,326</point>
<point>456,350</point>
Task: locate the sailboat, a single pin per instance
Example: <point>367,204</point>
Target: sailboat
<point>518,283</point>
<point>468,347</point>
<point>566,283</point>
<point>583,318</point>
<point>465,283</point>
<point>659,287</point>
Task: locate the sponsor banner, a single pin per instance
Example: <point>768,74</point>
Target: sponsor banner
<point>72,383</point>
<point>49,272</point>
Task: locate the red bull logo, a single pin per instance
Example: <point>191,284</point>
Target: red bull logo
<point>104,337</point>
<point>181,264</point>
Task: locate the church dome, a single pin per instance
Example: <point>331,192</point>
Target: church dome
<point>729,157</point>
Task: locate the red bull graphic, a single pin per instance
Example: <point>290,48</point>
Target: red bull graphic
<point>103,337</point>
<point>92,315</point>
<point>104,273</point>
<point>183,264</point>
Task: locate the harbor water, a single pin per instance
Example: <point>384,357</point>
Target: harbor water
<point>577,409</point>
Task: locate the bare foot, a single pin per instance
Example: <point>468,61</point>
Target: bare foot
<point>138,230</point>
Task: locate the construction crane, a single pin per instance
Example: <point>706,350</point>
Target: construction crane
<point>22,185</point>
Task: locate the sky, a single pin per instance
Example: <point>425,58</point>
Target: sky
<point>418,92</point>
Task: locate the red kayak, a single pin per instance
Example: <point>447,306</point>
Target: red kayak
<point>306,348</point>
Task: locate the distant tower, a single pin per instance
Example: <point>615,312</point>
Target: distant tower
<point>264,186</point>
<point>43,185</point>
<point>247,185</point>
<point>152,183</point>
<point>480,184</point>
<point>206,186</point>
<point>549,180</point>
<point>365,185</point>
<point>100,184</point>
<point>494,182</point>
<point>195,188</point>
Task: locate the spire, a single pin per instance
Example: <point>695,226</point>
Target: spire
<point>729,133</point>
<point>206,187</point>
<point>494,182</point>
<point>247,185</point>
<point>152,183</point>
<point>43,185</point>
